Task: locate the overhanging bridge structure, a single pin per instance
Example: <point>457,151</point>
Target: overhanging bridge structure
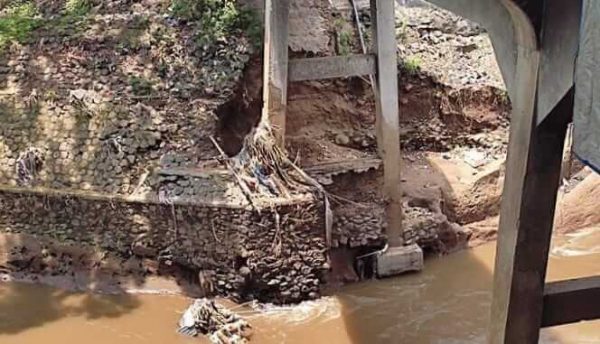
<point>536,44</point>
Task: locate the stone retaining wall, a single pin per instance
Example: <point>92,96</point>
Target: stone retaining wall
<point>278,255</point>
<point>365,227</point>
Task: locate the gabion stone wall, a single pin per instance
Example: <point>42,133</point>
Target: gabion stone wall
<point>365,226</point>
<point>115,93</point>
<point>359,227</point>
<point>278,255</point>
<point>109,152</point>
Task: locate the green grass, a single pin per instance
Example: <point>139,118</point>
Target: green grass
<point>216,19</point>
<point>339,24</point>
<point>402,31</point>
<point>17,22</point>
<point>212,20</point>
<point>78,7</point>
<point>344,42</point>
<point>51,96</point>
<point>343,37</point>
<point>251,24</point>
<point>412,64</point>
<point>140,86</point>
<point>503,96</point>
<point>186,9</point>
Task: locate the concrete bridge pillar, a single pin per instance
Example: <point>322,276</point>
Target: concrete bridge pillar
<point>536,44</point>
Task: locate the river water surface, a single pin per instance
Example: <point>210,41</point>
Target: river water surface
<point>447,303</point>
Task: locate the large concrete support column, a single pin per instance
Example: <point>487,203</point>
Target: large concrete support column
<point>526,220</point>
<point>536,42</point>
<point>388,131</point>
<point>275,80</point>
<point>542,108</point>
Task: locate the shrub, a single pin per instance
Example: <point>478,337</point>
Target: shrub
<point>17,22</point>
<point>216,19</point>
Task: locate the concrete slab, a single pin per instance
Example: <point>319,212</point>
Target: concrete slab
<point>398,260</point>
<point>309,29</point>
<point>346,5</point>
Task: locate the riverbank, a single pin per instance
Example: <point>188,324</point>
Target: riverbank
<point>448,302</point>
<point>124,153</point>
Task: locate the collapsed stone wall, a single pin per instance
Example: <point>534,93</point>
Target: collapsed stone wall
<point>278,255</point>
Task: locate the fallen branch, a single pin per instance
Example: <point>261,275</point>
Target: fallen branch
<point>265,161</point>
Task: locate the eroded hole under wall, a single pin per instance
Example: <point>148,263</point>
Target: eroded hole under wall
<point>238,116</point>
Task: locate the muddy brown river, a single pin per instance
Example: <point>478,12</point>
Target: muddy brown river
<point>447,303</point>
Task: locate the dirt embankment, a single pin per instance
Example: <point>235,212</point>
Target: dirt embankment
<point>580,208</point>
<point>451,141</point>
<point>454,121</point>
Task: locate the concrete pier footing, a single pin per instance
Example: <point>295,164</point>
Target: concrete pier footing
<point>398,260</point>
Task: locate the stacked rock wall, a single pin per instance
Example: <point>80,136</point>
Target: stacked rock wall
<point>277,255</point>
<point>105,97</point>
<point>423,224</point>
<point>107,153</point>
<point>359,227</point>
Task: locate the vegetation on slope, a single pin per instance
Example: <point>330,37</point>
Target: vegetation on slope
<point>212,20</point>
<point>136,83</point>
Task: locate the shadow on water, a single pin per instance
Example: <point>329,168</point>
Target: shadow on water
<point>449,302</point>
<point>24,307</point>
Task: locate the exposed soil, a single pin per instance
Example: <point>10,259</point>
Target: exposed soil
<point>453,140</point>
<point>579,208</point>
<point>454,120</point>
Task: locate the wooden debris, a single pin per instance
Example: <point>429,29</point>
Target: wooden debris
<point>220,324</point>
<point>243,186</point>
<point>323,172</point>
